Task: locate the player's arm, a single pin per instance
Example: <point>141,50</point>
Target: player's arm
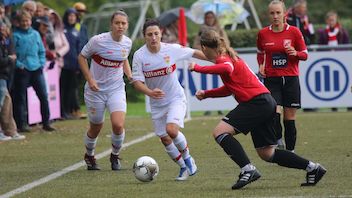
<point>138,79</point>
<point>260,56</point>
<point>127,69</point>
<point>83,65</point>
<point>302,52</point>
<point>213,93</point>
<point>155,93</point>
<point>221,68</point>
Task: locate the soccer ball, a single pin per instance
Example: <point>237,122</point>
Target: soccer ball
<point>145,169</point>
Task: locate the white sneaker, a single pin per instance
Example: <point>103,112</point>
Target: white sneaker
<point>4,137</point>
<point>18,136</point>
<point>183,175</point>
<point>191,166</point>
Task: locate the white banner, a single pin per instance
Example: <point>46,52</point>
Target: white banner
<point>325,81</point>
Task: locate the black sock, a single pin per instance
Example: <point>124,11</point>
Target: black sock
<point>290,134</point>
<point>233,149</point>
<point>277,126</point>
<point>288,159</point>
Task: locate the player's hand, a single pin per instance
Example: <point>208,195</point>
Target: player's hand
<point>93,85</point>
<point>157,94</point>
<point>290,51</point>
<point>200,94</point>
<point>191,66</point>
<point>262,70</point>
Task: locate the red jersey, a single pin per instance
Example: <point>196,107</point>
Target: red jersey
<point>239,80</point>
<point>271,51</point>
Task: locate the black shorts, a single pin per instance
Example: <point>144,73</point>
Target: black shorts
<point>255,116</point>
<point>285,90</point>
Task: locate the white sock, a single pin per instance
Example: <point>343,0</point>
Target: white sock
<point>175,154</point>
<point>181,144</point>
<point>311,166</point>
<point>90,144</point>
<point>116,142</point>
<point>248,167</point>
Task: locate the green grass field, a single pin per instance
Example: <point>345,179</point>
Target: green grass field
<point>322,137</point>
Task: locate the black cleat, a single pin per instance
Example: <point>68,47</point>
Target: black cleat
<point>246,178</point>
<point>314,176</point>
<point>91,162</point>
<point>115,162</point>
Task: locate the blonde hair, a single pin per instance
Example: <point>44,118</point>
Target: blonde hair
<point>211,39</point>
<point>274,2</point>
<point>24,14</point>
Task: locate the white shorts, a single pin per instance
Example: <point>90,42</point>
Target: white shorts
<point>175,112</point>
<point>96,103</point>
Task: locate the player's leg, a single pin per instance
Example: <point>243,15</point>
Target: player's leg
<point>175,121</point>
<point>264,139</point>
<point>96,109</point>
<point>288,159</point>
<point>159,122</point>
<point>116,104</point>
<point>291,102</point>
<point>275,84</point>
<point>223,134</point>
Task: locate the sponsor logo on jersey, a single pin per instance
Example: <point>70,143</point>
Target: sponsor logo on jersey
<point>106,62</point>
<point>146,64</point>
<point>160,72</point>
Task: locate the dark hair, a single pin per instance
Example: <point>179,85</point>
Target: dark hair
<point>118,12</point>
<point>211,39</point>
<point>150,22</point>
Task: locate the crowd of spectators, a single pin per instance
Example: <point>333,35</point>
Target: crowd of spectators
<point>33,39</point>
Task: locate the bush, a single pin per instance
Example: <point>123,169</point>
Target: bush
<point>243,38</point>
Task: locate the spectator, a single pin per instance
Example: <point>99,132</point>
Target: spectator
<point>297,16</point>
<point>333,35</point>
<point>30,61</point>
<point>42,24</point>
<point>30,7</point>
<point>40,11</point>
<point>170,33</point>
<point>7,61</point>
<point>60,41</point>
<point>81,9</point>
<point>3,17</point>
<point>70,71</point>
<point>210,22</point>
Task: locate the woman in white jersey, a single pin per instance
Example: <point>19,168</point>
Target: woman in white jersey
<point>105,87</point>
<point>154,74</point>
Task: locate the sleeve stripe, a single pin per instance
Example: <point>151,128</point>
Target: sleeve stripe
<point>229,63</point>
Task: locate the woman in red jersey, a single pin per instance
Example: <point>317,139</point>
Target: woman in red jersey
<point>254,113</point>
<point>280,48</point>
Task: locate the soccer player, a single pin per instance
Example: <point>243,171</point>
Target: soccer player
<point>254,113</point>
<point>280,48</point>
<point>105,87</point>
<point>154,74</point>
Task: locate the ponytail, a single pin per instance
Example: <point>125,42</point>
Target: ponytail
<point>224,48</point>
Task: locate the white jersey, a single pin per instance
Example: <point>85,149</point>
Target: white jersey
<point>107,60</point>
<point>158,70</point>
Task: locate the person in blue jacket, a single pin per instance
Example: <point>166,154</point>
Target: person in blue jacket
<point>30,61</point>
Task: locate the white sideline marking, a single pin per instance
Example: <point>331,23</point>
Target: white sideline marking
<point>57,174</point>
